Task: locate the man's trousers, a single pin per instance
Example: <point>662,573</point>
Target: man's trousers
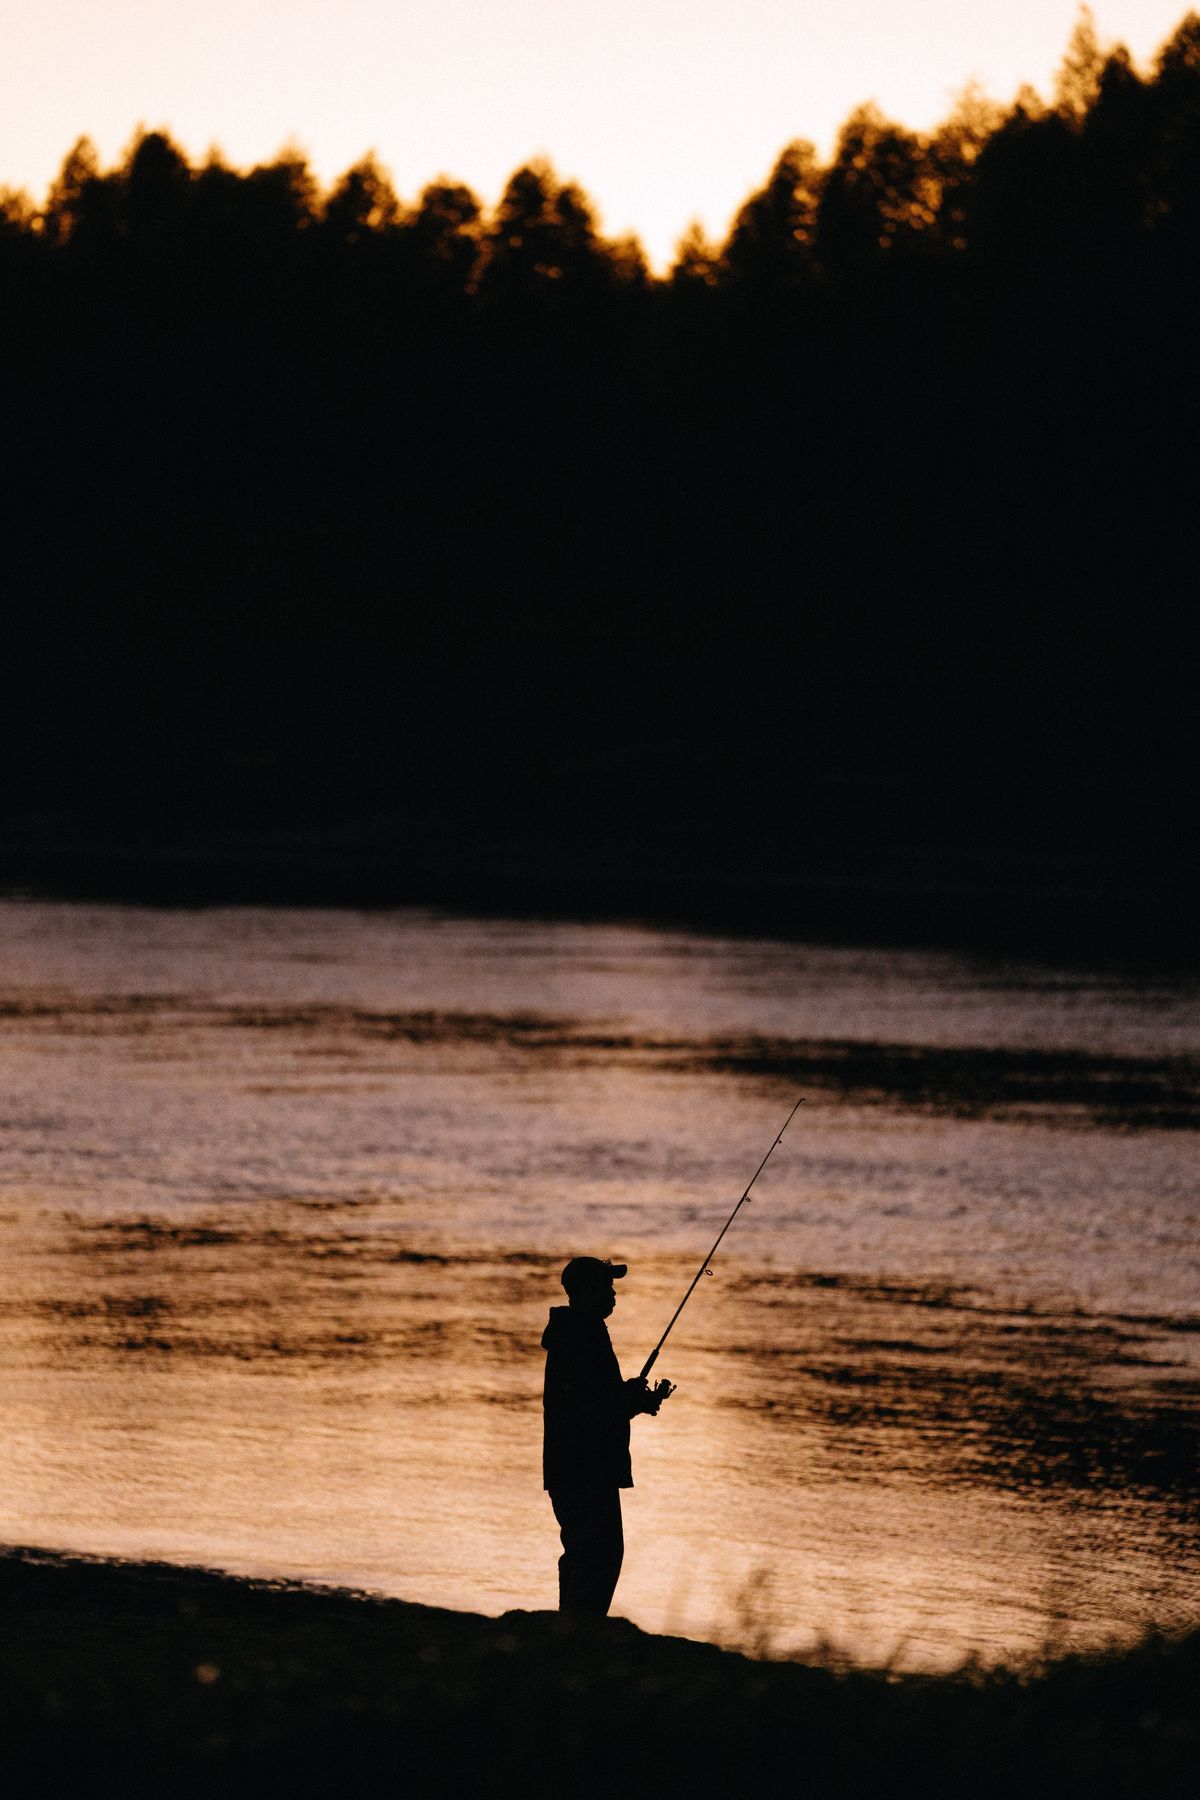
<point>593,1544</point>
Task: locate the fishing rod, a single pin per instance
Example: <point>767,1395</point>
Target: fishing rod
<point>704,1268</point>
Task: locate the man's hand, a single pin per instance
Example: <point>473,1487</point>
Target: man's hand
<point>647,1399</point>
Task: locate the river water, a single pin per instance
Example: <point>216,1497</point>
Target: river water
<point>284,1196</point>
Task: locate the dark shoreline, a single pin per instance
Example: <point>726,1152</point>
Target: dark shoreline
<point>1058,905</point>
<point>146,1678</point>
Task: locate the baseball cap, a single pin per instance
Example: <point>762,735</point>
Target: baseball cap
<point>591,1271</point>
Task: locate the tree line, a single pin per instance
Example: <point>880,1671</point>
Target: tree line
<point>330,494</point>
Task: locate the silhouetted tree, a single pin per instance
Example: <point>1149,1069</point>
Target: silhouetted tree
<point>697,262</point>
<point>283,197</point>
<point>1078,80</point>
<point>772,242</point>
<point>218,205</point>
<point>444,232</point>
<point>1176,90</point>
<point>155,182</point>
<point>1118,157</point>
<point>541,237</point>
<point>81,206</point>
<point>879,194</point>
<point>1023,192</point>
<point>362,203</point>
<point>953,152</point>
<point>17,213</point>
<point>627,262</point>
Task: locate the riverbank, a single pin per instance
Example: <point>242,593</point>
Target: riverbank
<point>855,864</point>
<point>145,1678</point>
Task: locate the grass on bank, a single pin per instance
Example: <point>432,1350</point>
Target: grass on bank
<point>124,1679</point>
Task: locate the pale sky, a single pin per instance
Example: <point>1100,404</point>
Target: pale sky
<point>664,110</point>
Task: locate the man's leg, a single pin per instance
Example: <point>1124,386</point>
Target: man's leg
<point>593,1547</point>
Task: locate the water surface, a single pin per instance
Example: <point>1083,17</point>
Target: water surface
<point>285,1196</point>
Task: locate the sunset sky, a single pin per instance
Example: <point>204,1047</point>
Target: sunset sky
<point>665,110</point>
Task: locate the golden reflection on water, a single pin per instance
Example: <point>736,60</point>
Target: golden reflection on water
<point>275,1262</point>
<point>903,1471</point>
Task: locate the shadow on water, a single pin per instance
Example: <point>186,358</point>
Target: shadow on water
<point>1133,1092</point>
<point>944,1385</point>
<point>265,1294</point>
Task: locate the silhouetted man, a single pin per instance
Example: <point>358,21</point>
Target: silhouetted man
<point>587,1410</point>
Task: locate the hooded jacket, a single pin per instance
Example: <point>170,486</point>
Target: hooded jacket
<point>586,1405</point>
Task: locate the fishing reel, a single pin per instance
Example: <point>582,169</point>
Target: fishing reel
<point>647,1399</point>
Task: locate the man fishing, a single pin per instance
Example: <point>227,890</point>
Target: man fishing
<point>587,1409</point>
<point>587,1412</point>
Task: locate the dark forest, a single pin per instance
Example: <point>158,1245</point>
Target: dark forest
<point>841,580</point>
